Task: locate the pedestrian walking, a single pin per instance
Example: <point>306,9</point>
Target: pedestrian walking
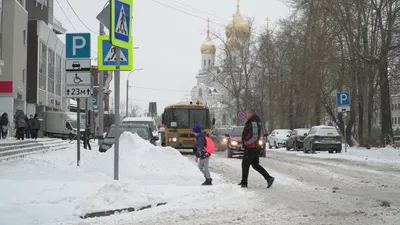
<point>87,139</point>
<point>35,126</point>
<point>202,156</point>
<point>4,125</point>
<point>20,123</point>
<point>251,137</point>
<point>28,131</point>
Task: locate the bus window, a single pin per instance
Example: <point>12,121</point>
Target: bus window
<point>200,117</point>
<point>180,116</point>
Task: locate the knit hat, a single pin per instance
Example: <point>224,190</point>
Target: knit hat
<point>196,129</point>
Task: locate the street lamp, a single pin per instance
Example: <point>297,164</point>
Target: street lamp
<point>127,90</point>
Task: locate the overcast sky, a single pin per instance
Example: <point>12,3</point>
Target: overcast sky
<point>168,39</point>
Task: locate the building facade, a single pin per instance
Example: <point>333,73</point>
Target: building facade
<point>14,54</point>
<point>1,38</point>
<point>213,80</point>
<point>46,59</point>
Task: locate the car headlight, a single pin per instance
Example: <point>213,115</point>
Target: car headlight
<point>224,140</point>
<point>260,142</point>
<point>174,139</point>
<point>234,143</point>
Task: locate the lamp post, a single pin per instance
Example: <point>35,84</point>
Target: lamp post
<point>127,90</point>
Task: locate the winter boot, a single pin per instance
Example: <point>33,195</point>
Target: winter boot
<point>207,182</point>
<point>243,184</point>
<point>270,181</point>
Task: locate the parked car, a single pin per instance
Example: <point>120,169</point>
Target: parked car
<point>143,131</point>
<point>219,138</point>
<point>323,138</point>
<point>235,143</point>
<point>296,139</point>
<point>278,138</point>
<point>143,120</point>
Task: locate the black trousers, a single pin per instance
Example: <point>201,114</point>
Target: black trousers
<point>251,157</point>
<point>34,133</point>
<point>20,133</point>
<point>88,144</point>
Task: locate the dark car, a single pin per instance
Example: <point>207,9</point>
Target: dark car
<point>323,138</point>
<point>219,138</point>
<point>143,131</point>
<point>235,143</point>
<point>296,139</point>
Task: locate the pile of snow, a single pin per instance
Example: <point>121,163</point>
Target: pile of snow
<point>50,188</point>
<point>139,160</point>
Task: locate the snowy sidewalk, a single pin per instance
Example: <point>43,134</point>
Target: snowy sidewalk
<point>388,155</point>
<point>50,188</point>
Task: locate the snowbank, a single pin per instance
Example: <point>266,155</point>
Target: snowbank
<point>388,155</point>
<point>50,189</point>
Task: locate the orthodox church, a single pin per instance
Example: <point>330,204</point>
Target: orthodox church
<point>211,82</point>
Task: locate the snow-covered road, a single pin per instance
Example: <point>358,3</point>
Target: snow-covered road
<point>307,190</point>
<point>358,187</point>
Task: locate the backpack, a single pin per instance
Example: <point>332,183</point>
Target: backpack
<point>210,147</point>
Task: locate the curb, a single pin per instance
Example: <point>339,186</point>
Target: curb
<point>115,211</point>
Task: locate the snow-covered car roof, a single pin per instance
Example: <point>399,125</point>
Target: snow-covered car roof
<point>131,119</point>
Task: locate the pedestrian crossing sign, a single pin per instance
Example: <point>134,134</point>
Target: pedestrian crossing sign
<point>106,54</point>
<point>121,23</point>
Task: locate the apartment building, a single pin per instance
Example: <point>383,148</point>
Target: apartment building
<point>13,48</point>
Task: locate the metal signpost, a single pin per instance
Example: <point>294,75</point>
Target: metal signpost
<point>115,52</point>
<point>77,77</point>
<point>343,106</point>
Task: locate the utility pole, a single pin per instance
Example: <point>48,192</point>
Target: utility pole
<point>127,98</point>
<point>127,89</point>
<point>100,95</point>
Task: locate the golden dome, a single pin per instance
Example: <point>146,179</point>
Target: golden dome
<point>239,26</point>
<point>233,43</point>
<point>208,46</point>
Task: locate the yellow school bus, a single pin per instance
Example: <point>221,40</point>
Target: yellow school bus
<point>178,121</point>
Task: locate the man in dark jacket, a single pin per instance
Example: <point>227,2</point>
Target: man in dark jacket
<point>251,137</point>
<point>35,126</point>
<point>4,125</point>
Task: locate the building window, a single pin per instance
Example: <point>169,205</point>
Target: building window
<point>58,75</point>
<point>42,66</point>
<point>23,76</point>
<point>204,63</point>
<point>209,62</point>
<point>395,107</point>
<point>24,37</point>
<point>50,75</point>
<point>395,120</point>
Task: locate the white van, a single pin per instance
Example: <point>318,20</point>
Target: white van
<point>143,120</point>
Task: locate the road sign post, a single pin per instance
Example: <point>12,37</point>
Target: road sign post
<point>100,95</point>
<point>343,106</point>
<point>120,38</point>
<point>78,131</point>
<point>78,76</point>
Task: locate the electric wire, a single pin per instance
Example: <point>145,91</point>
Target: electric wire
<point>65,14</point>
<point>76,14</point>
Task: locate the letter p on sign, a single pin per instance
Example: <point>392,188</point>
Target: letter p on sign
<point>342,98</point>
<point>77,46</point>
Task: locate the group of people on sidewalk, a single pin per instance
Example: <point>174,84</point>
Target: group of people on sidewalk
<point>24,126</point>
<point>250,141</point>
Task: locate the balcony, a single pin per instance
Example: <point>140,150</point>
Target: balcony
<point>57,27</point>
